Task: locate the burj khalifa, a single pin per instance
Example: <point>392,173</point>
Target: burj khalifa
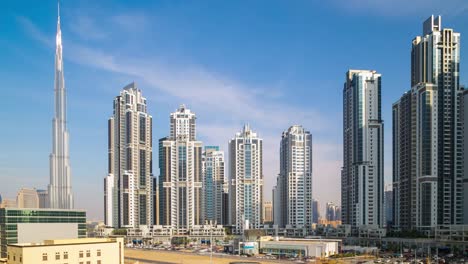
<point>60,190</point>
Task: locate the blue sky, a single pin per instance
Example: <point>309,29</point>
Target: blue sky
<point>268,63</point>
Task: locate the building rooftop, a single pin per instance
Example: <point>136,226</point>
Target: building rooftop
<point>66,242</point>
<point>44,209</point>
<point>298,240</point>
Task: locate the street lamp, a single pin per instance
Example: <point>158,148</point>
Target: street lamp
<point>211,240</point>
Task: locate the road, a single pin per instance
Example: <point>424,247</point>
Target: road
<point>178,257</point>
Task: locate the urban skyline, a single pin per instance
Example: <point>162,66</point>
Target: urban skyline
<point>261,131</point>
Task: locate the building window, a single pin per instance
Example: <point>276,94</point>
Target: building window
<point>57,255</point>
<point>98,252</point>
<point>98,262</point>
<point>81,254</point>
<point>88,253</point>
<point>65,255</point>
<point>44,257</point>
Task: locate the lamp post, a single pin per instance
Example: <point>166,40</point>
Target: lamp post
<point>211,240</point>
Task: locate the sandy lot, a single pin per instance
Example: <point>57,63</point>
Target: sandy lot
<point>183,258</point>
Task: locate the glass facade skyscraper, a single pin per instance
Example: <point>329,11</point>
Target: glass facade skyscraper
<point>362,186</point>
<point>427,134</point>
<point>214,184</point>
<point>246,180</point>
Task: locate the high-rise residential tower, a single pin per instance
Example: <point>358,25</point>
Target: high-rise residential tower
<point>214,183</point>
<point>465,157</point>
<point>427,134</point>
<point>403,164</point>
<point>435,59</point>
<point>362,180</point>
<point>60,189</point>
<point>180,178</point>
<point>128,186</point>
<point>246,180</point>
<point>295,179</point>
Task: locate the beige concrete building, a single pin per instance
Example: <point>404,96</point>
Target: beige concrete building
<point>79,251</point>
<point>27,198</point>
<point>129,186</point>
<point>267,212</point>
<point>8,203</point>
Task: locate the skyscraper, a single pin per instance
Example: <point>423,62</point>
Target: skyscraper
<point>404,187</point>
<point>295,179</point>
<point>362,173</point>
<point>128,186</point>
<point>246,180</point>
<point>431,139</point>
<point>315,211</point>
<point>180,178</point>
<point>214,182</point>
<point>465,157</point>
<point>388,196</point>
<point>332,211</point>
<point>43,198</point>
<point>60,189</point>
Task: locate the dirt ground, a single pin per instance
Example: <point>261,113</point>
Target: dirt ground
<point>181,258</point>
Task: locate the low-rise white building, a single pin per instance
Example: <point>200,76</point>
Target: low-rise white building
<point>305,248</point>
<point>158,233</point>
<point>452,233</point>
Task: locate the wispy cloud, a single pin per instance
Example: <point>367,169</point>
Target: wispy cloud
<point>33,31</point>
<point>85,28</point>
<point>134,22</point>
<point>395,8</point>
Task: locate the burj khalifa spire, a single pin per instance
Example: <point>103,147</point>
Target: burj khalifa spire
<point>60,190</point>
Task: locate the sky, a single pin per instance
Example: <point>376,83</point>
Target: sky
<point>271,64</point>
